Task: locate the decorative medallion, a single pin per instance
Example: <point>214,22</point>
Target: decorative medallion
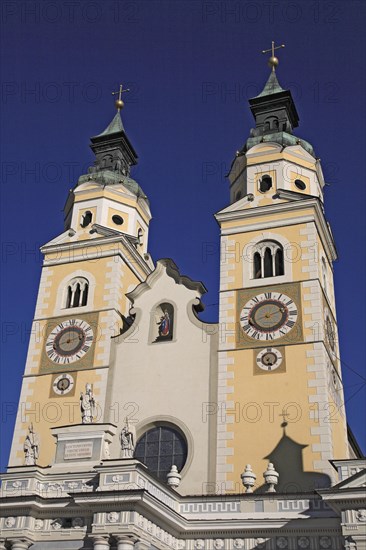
<point>113,517</point>
<point>325,542</point>
<point>10,522</point>
<point>38,524</point>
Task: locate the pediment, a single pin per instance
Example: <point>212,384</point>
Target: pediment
<point>65,237</point>
<point>241,204</point>
<point>299,151</point>
<point>96,232</point>
<point>265,147</point>
<point>357,481</point>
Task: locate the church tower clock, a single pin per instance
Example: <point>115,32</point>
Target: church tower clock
<point>86,273</point>
<point>281,386</point>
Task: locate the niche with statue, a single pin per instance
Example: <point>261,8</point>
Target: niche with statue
<point>162,323</point>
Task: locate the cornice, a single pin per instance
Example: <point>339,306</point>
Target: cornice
<point>274,209</point>
<point>114,189</point>
<point>133,257</point>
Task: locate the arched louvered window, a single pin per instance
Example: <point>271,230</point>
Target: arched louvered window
<point>324,275</point>
<point>257,265</point>
<point>140,236</point>
<point>265,184</point>
<point>77,292</point>
<point>279,264</point>
<point>268,260</point>
<point>268,266</point>
<point>86,219</point>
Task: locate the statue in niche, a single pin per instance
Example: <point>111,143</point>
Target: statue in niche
<point>87,405</point>
<point>127,441</point>
<point>31,447</point>
<point>164,316</point>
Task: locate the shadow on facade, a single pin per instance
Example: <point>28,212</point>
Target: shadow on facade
<point>287,458</point>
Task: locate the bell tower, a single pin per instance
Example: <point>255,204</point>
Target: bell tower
<point>281,389</point>
<point>87,271</point>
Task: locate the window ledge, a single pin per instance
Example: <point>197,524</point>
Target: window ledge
<point>265,281</point>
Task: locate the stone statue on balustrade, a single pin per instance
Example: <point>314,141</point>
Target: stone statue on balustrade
<point>87,405</point>
<point>128,438</point>
<point>31,447</point>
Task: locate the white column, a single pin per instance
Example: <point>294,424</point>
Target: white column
<point>18,544</point>
<point>262,263</point>
<point>101,543</point>
<point>2,544</point>
<point>124,543</point>
<point>142,545</point>
<point>274,263</point>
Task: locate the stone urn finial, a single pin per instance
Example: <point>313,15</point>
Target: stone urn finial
<point>174,477</point>
<point>271,478</point>
<point>248,478</point>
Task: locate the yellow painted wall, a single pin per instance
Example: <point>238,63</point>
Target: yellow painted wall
<point>50,412</point>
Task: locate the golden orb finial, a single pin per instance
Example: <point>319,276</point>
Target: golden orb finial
<point>119,103</point>
<point>273,60</point>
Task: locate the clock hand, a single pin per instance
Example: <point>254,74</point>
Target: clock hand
<point>268,315</point>
<point>80,337</point>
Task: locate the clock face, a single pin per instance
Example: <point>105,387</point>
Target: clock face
<point>268,316</point>
<point>69,341</point>
<point>63,384</point>
<point>269,359</point>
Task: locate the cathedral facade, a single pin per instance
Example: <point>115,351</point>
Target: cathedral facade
<point>141,426</point>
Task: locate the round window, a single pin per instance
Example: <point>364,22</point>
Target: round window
<point>160,448</point>
<point>117,219</point>
<point>300,184</point>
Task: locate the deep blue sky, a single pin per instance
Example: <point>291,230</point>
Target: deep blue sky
<point>191,66</point>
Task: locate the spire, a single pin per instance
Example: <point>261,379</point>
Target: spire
<point>112,148</point>
<point>116,125</point>
<point>274,112</point>
<point>272,85</point>
<point>273,109</point>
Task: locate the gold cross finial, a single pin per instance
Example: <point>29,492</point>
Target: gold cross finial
<point>119,103</point>
<point>273,61</point>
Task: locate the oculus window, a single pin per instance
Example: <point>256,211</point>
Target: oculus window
<point>160,448</point>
